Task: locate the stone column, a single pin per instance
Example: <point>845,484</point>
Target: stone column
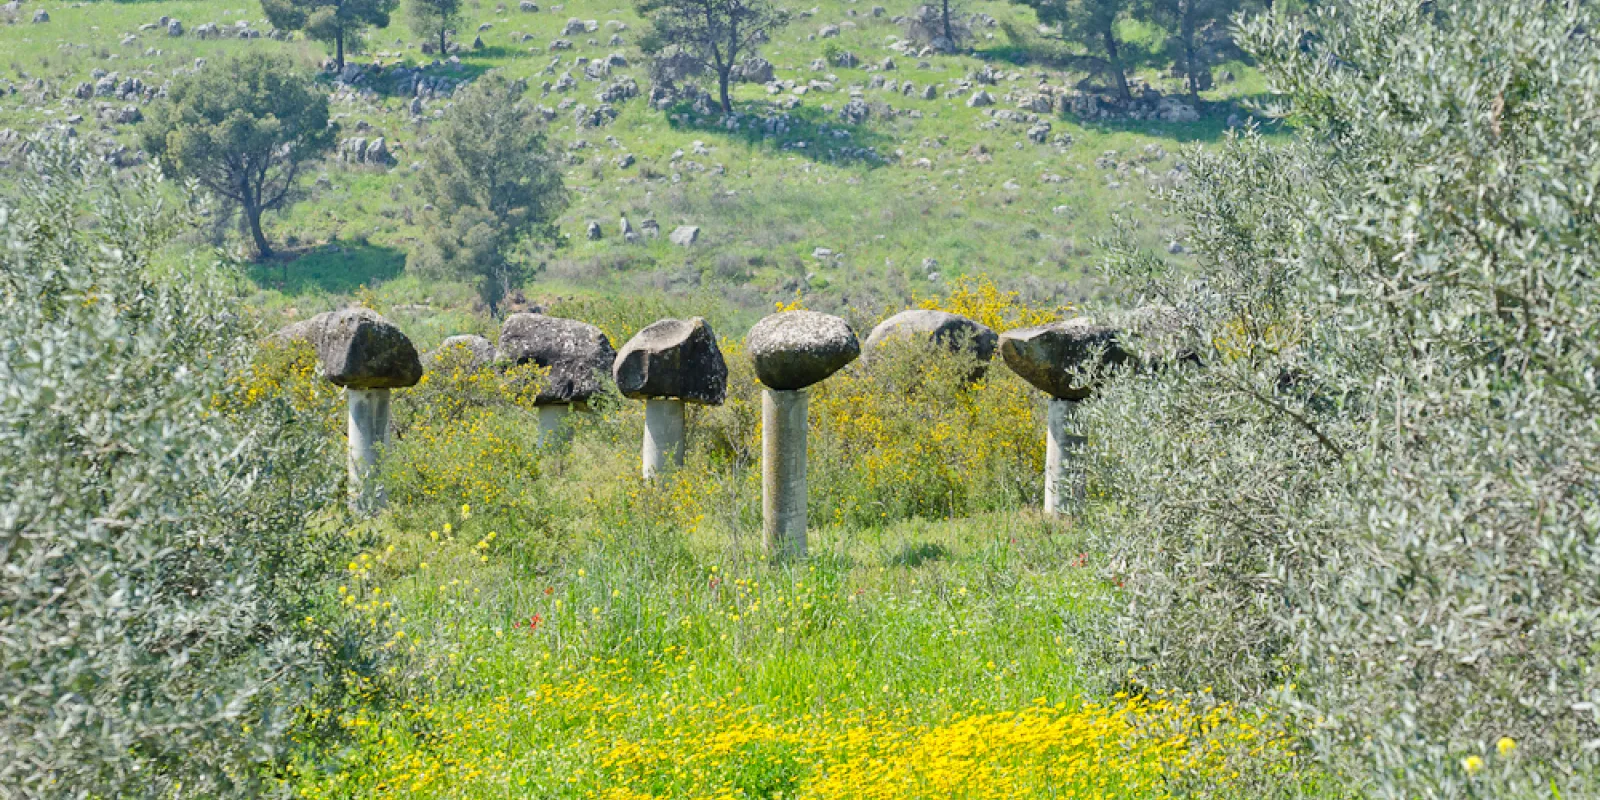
<point>783,473</point>
<point>791,350</point>
<point>553,428</point>
<point>1064,360</point>
<point>367,356</point>
<point>668,363</point>
<point>663,435</point>
<point>1063,480</point>
<point>369,434</point>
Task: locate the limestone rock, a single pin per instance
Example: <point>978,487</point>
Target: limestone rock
<point>577,354</point>
<point>361,350</point>
<point>941,327</point>
<point>673,358</point>
<point>1047,356</point>
<point>466,351</point>
<point>754,69</point>
<point>795,349</point>
<point>684,235</point>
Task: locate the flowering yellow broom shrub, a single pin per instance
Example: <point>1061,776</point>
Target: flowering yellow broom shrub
<point>466,435</point>
<point>980,299</point>
<point>286,371</point>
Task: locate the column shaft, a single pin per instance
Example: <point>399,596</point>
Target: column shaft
<point>783,473</point>
<point>1063,479</point>
<point>369,433</point>
<point>663,435</point>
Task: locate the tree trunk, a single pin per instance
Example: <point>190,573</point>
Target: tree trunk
<point>1186,30</point>
<point>443,40</point>
<point>1114,64</point>
<point>948,32</point>
<point>252,217</point>
<point>724,74</point>
<point>338,49</point>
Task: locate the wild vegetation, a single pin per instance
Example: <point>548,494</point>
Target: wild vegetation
<point>1339,535</point>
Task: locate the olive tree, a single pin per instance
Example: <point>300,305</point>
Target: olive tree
<point>434,19</point>
<point>1092,25</point>
<point>339,23</point>
<point>493,186</point>
<point>717,33</point>
<point>1189,22</point>
<point>1377,503</point>
<point>243,128</point>
<point>158,551</point>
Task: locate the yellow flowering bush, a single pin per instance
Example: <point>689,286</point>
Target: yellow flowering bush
<point>465,434</point>
<point>286,372</point>
<point>980,299</point>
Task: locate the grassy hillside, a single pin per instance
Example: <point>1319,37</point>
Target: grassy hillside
<point>918,193</point>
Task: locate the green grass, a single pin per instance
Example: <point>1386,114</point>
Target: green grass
<point>774,202</point>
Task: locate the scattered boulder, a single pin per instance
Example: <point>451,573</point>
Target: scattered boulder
<point>754,69</point>
<point>467,351</point>
<point>673,358</point>
<point>1049,356</point>
<point>40,16</point>
<point>855,112</point>
<point>577,354</point>
<point>684,235</point>
<point>795,349</point>
<point>980,99</point>
<point>940,327</point>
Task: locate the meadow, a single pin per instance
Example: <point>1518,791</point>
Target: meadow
<point>951,191</point>
<point>550,624</point>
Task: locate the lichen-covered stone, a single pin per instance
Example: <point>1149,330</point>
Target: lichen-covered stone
<point>467,351</point>
<point>795,349</point>
<point>361,350</point>
<point>577,354</point>
<point>942,327</point>
<point>676,358</point>
<point>1050,356</point>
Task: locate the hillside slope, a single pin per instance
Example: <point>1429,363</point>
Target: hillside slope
<point>861,185</point>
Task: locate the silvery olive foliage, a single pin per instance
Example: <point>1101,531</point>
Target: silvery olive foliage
<point>156,555</point>
<point>1377,501</point>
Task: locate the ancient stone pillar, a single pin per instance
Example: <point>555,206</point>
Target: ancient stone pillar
<point>578,356</point>
<point>1063,485</point>
<point>667,364</point>
<point>783,473</point>
<point>368,356</point>
<point>792,350</point>
<point>663,435</point>
<point>368,431</point>
<point>1060,360</point>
